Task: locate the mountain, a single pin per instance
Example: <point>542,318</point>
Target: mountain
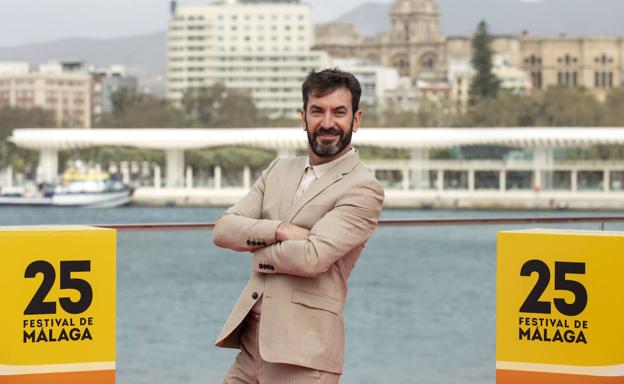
<point>142,55</point>
<point>540,18</point>
<point>369,18</point>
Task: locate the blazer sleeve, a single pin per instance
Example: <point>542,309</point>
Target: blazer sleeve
<point>241,227</point>
<point>348,225</point>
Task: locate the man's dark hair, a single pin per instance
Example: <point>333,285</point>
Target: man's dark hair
<point>326,81</point>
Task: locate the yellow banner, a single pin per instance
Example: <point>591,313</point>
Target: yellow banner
<point>58,304</point>
<point>560,307</point>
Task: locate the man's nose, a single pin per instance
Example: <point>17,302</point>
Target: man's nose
<point>328,120</point>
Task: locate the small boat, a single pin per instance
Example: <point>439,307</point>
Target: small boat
<point>18,197</point>
<point>94,190</point>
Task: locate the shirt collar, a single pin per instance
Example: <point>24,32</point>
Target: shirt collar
<point>321,169</point>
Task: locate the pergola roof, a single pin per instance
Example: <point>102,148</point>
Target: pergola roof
<point>295,138</point>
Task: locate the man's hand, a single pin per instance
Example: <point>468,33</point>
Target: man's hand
<point>288,231</point>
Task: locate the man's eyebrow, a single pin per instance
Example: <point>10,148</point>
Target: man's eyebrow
<point>314,106</point>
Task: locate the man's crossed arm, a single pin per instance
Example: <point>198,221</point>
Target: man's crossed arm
<point>294,250</point>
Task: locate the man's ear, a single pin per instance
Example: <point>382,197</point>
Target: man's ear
<point>303,124</point>
<point>357,120</point>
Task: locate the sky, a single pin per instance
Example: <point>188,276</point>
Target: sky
<point>29,21</point>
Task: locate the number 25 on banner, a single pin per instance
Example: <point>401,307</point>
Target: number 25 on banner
<point>38,306</point>
<point>533,304</point>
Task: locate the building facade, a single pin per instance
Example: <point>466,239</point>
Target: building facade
<point>263,47</point>
<point>376,81</point>
<point>417,48</point>
<point>58,87</point>
<point>105,82</point>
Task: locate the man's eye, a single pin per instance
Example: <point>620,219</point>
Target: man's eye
<point>340,113</point>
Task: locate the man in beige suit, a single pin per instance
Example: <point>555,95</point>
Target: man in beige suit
<point>306,221</point>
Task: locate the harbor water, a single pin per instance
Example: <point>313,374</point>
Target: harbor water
<point>421,305</point>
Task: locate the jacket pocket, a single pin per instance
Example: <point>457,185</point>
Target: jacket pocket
<point>317,301</point>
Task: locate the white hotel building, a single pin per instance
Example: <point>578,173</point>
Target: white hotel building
<point>260,46</point>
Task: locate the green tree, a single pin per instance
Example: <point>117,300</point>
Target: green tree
<point>485,84</point>
<point>11,118</point>
<point>220,107</point>
<point>571,107</point>
<point>133,110</point>
<point>230,157</point>
<point>506,110</point>
<point>614,108</point>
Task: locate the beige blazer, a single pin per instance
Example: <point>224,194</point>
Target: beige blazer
<point>304,282</point>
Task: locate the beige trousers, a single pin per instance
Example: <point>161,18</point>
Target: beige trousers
<point>249,368</point>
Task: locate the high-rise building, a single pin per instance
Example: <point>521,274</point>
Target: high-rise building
<point>263,47</point>
<point>63,88</point>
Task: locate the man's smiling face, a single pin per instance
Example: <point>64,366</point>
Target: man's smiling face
<point>329,121</point>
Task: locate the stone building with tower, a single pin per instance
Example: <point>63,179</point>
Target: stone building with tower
<point>415,46</point>
<point>418,49</point>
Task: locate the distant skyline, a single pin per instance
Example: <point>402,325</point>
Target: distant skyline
<point>32,21</point>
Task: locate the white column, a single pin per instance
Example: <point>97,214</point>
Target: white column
<point>189,177</point>
<point>406,179</point>
<point>543,161</point>
<point>125,172</point>
<point>471,180</point>
<point>537,180</point>
<point>157,177</point>
<point>606,180</point>
<point>440,180</point>
<point>175,168</point>
<point>246,177</point>
<point>217,177</point>
<point>9,176</point>
<point>420,168</point>
<point>48,161</point>
<point>502,181</point>
<point>574,180</point>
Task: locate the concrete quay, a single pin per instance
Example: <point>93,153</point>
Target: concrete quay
<point>494,200</point>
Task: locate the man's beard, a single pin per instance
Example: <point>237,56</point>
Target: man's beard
<point>328,150</point>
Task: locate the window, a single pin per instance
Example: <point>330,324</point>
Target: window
<point>603,79</point>
<point>533,60</point>
<point>567,78</point>
<point>536,79</point>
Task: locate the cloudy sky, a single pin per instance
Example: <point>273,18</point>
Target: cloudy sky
<point>26,21</point>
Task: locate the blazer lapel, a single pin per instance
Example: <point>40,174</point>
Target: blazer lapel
<point>290,186</point>
<point>338,172</point>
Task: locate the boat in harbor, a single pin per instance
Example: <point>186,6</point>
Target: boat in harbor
<point>94,190</point>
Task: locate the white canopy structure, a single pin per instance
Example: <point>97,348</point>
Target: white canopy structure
<point>294,138</point>
<point>286,140</point>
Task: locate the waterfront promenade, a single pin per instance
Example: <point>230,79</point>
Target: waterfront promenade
<point>535,179</point>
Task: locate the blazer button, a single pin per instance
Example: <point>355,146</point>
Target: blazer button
<point>254,295</point>
<point>253,242</point>
<point>248,242</point>
<point>261,266</point>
